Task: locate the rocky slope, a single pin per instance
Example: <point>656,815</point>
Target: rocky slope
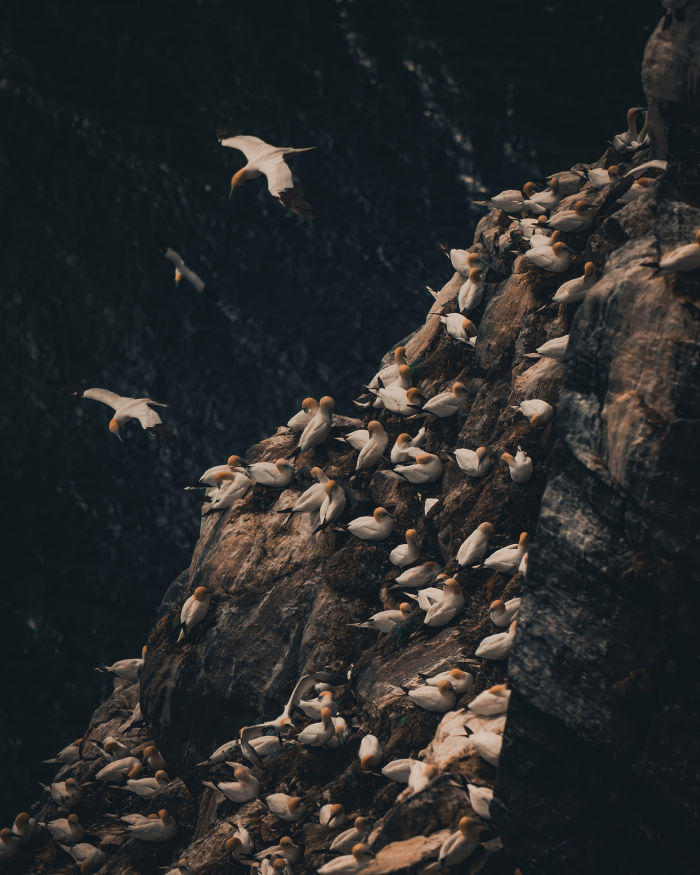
<point>595,770</point>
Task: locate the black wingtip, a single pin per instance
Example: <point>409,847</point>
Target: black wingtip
<point>160,431</point>
<point>292,200</point>
<point>223,132</point>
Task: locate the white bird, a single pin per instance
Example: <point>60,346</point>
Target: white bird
<point>641,186</point>
<point>246,786</point>
<point>370,752</point>
<point>182,271</point>
<point>537,411</point>
<point>350,837</point>
<point>427,468</point>
<point>474,548</point>
<point>356,861</point>
<point>461,681</point>
<point>66,829</point>
<point>275,475</point>
<point>286,848</point>
<point>119,769</point>
<point>510,201</point>
<point>503,613</point>
<point>682,258</point>
<point>440,698</point>
<point>507,559</point>
<point>394,395</point>
<point>544,239</point>
<point>69,754</point>
<point>312,498</point>
<point>313,707</point>
<point>460,328</point>
<point>546,200</point>
<point>531,203</point>
<point>420,775</point>
<point>491,702</point>
<point>578,219</point>
<point>319,427</point>
<point>374,449</point>
<point>342,731</point>
<point>460,845</point>
<point>389,374</point>
<point>333,504</point>
<point>407,447</point>
<point>87,856</point>
<point>209,479</point>
<point>629,139</point>
<point>332,815</point>
<point>269,161</point>
<point>488,745</point>
<point>413,578</point>
<point>475,463</point>
<point>463,260</point>
<point>24,827</point>
<point>372,528</point>
<point>406,404</point>
<point>66,793</point>
<point>240,844</point>
<point>555,259</point>
<point>554,349</point>
<point>309,408</point>
<point>151,829</point>
<point>9,844</point>
<point>127,669</point>
<point>357,439</point>
<point>471,293</point>
<point>193,611</point>
<point>429,504</point>
<point>125,409</point>
<point>318,734</point>
<point>406,554</point>
<point>289,808</point>
<point>575,290</point>
<point>452,602</point>
<point>448,403</point>
<point>519,465</point>
<point>399,770</point>
<point>147,787</point>
<point>497,646</point>
<point>429,596</point>
<point>569,181</point>
<point>232,486</point>
<point>386,621</point>
<point>599,177</point>
<point>480,799</point>
<point>153,759</point>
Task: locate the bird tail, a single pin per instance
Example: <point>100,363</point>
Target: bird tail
<point>181,636</point>
<point>212,786</point>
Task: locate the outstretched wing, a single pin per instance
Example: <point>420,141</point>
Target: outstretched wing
<point>281,185</point>
<point>252,147</point>
<point>111,399</point>
<point>151,422</point>
<point>192,277</point>
<point>175,257</point>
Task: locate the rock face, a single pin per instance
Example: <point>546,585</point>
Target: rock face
<point>597,765</point>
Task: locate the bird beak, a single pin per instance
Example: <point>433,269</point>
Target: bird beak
<point>230,194</point>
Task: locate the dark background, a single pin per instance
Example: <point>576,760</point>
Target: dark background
<point>109,154</point>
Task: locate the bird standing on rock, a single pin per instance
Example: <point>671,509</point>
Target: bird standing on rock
<point>377,527</point>
<point>193,611</point>
<point>319,427</point>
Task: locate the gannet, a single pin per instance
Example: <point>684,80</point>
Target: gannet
<point>389,374</point>
<point>374,449</point>
<point>147,787</point>
<point>232,487</point>
<point>461,681</point>
<point>553,349</point>
<point>406,405</point>
<point>439,698</point>
<point>342,731</point>
<point>87,856</point>
<point>488,745</point>
<point>127,669</point>
<point>519,465</point>
<point>65,793</point>
<point>372,528</point>
<point>471,293</point>
<point>497,646</point>
<point>575,290</point>
<point>682,258</point>
<point>538,412</point>
<point>412,578</point>
<point>448,403</point>
<point>406,554</point>
<point>333,504</point>
<point>370,752</point>
<point>193,611</point>
<point>151,829</point>
<point>350,837</point>
<point>547,199</point>
<point>181,270</point>
<point>244,788</point>
<point>269,161</point>
<point>317,734</point>
<point>427,597</point>
<point>555,259</point>
<point>9,844</point>
<point>429,504</point>
<point>399,770</point>
<point>460,328</point>
<point>332,816</point>
<point>239,845</point>
<point>152,757</point>
<point>66,829</point>
<point>578,219</point>
<point>475,463</point>
<point>356,861</point>
<point>24,827</point>
<point>641,186</point>
<point>234,465</point>
<point>503,613</point>
<point>119,769</point>
<point>406,447</point>
<point>386,621</point>
<point>629,139</point>
<point>507,559</point>
<point>357,439</point>
<point>463,260</point>
<point>531,204</point>
<point>544,239</point>
<point>69,754</point>
<point>312,498</point>
<point>134,719</point>
<point>599,177</point>
<point>393,396</point>
<point>286,848</point>
<point>448,607</point>
<point>276,475</point>
<point>480,799</point>
<point>461,844</point>
<point>309,408</point>
<point>492,701</point>
<point>510,201</point>
<point>420,775</point>
<point>313,707</point>
<point>319,427</point>
<point>125,409</point>
<point>427,468</point>
<point>474,548</point>
<point>286,807</point>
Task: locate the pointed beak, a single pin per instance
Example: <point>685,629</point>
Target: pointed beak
<point>230,194</point>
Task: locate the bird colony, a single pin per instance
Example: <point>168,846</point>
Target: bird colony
<point>449,587</point>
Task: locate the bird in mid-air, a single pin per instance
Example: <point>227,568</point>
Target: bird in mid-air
<point>124,408</point>
<point>182,271</point>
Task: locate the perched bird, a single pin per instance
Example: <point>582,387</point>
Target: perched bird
<point>439,698</point>
<point>313,707</point>
<point>406,404</point>
<point>429,596</point>
<point>386,621</point>
<point>125,409</point>
<point>309,408</point>
<point>555,259</point>
<point>419,576</point>
<point>599,177</point>
<point>629,139</point>
<point>546,200</point>
<point>311,499</point>
<point>69,754</point>
<point>681,259</point>
<point>480,799</point>
<point>491,702</point>
<point>181,270</point>
<point>544,239</point>
<point>119,769</point>
<point>232,486</point>
<point>333,504</point>
<point>286,848</point>
<point>463,260</point>
<point>507,559</point>
<point>286,807</point>
<point>471,293</point>
<point>372,528</point>
<point>488,745</point>
<point>152,757</point>
<point>240,844</point>
<point>66,829</point>
<point>575,290</point>
<point>475,463</point>
<point>569,181</point>
<point>460,328</point>
<point>357,833</point>
<point>374,449</point>
<point>209,479</point>
<point>474,548</point>
<point>394,395</point>
<point>319,427</point>
<point>399,770</point>
<point>461,681</point>
<point>193,611</point>
<point>357,439</point>
<point>127,669</point>
<point>427,468</point>
<point>356,861</point>
<point>519,465</point>
<point>147,787</point>
<point>503,613</point>
<point>537,411</point>
<point>332,816</point>
<point>318,734</point>
<point>448,403</point>
<point>370,752</point>
<point>420,775</point>
<point>276,475</point>
<point>578,219</point>
<point>87,856</point>
<point>497,646</point>
<point>444,611</point>
<point>66,793</point>
<point>554,348</point>
<point>510,201</point>
<point>151,829</point>
<point>406,554</point>
<point>641,186</point>
<point>269,161</point>
<point>460,845</point>
<point>407,447</point>
<point>24,827</point>
<point>389,374</point>
<point>244,788</point>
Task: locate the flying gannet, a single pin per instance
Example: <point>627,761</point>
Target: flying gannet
<point>182,271</point>
<point>124,408</point>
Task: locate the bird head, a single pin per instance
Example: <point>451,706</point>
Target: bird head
<point>588,269</point>
<point>529,189</point>
<point>445,686</point>
<point>114,428</point>
<point>380,514</point>
<point>400,355</point>
<point>237,180</point>
<point>201,593</point>
<point>309,404</point>
<point>487,528</point>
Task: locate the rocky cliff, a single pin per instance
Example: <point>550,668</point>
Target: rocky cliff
<point>599,764</point>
